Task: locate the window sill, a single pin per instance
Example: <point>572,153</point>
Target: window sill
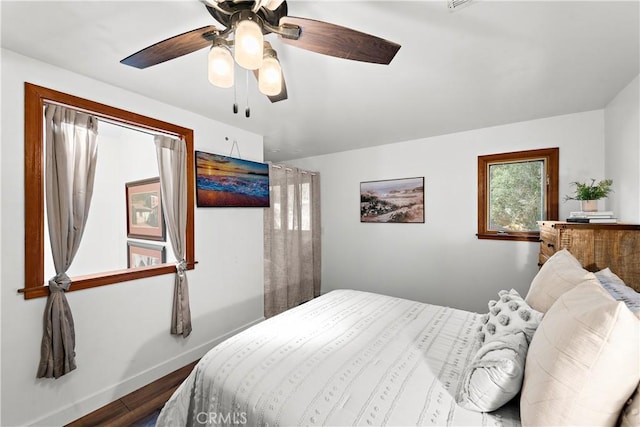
<point>529,237</point>
<point>92,281</point>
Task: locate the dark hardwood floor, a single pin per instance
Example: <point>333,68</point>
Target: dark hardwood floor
<point>138,404</point>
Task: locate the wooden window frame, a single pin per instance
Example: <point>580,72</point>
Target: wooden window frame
<point>35,99</point>
<point>551,157</point>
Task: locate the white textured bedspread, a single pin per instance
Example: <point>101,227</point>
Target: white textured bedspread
<point>345,358</point>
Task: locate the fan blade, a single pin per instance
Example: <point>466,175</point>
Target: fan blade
<point>170,48</point>
<point>330,39</point>
<point>283,93</point>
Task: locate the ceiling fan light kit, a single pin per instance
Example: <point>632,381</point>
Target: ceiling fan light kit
<point>249,21</point>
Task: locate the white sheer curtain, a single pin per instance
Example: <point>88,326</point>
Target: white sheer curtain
<point>172,165</point>
<point>291,239</point>
<point>71,154</point>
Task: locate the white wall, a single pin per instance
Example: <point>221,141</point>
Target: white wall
<point>622,154</point>
<point>442,261</point>
<point>122,330</point>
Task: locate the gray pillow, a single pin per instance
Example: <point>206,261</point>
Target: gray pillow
<point>494,376</point>
<point>619,290</point>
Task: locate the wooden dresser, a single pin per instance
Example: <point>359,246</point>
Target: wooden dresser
<point>596,246</point>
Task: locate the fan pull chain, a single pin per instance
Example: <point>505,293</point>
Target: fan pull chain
<point>247,111</point>
<point>235,97</point>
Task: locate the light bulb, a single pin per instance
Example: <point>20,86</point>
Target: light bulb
<point>248,44</point>
<point>270,76</point>
<point>220,67</point>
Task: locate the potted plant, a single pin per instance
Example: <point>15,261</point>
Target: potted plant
<point>589,194</point>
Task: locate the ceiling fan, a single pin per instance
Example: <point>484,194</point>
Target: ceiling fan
<point>248,21</point>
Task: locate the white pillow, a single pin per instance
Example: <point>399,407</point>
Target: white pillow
<point>495,374</point>
<point>619,290</point>
<point>559,274</point>
<point>509,315</point>
<point>582,364</point>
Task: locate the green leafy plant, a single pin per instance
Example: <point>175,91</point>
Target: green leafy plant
<point>591,191</point>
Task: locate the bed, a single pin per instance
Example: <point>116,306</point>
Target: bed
<point>357,358</point>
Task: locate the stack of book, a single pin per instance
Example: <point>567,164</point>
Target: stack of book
<point>599,217</point>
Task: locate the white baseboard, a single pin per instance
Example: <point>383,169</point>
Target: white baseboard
<point>103,397</point>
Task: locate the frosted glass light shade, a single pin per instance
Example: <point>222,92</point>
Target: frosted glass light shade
<point>248,49</point>
<point>220,67</point>
<point>270,76</point>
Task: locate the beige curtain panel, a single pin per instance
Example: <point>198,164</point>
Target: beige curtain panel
<point>291,239</point>
<point>71,155</point>
<point>172,165</point>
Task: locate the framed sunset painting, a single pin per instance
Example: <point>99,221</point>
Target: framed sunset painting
<point>223,181</point>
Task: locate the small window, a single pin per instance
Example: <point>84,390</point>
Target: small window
<point>515,190</point>
<point>305,207</point>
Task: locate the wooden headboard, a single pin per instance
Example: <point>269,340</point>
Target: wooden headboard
<point>596,246</point>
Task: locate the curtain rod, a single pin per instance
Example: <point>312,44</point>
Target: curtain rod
<point>112,120</point>
<point>132,127</point>
<point>289,169</point>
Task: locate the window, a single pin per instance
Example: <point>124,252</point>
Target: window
<point>515,190</point>
<point>304,222</point>
<point>35,99</point>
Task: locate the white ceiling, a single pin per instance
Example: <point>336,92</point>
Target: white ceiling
<point>485,64</point>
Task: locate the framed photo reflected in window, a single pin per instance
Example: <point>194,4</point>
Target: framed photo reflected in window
<point>141,254</point>
<point>145,219</point>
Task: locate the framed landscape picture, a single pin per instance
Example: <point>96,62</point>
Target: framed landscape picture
<point>144,210</point>
<point>392,200</point>
<point>145,255</point>
<point>223,181</point>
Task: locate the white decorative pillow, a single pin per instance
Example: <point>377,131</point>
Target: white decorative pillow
<point>559,274</point>
<point>495,374</point>
<point>509,315</point>
<point>582,364</point>
<point>619,290</point>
